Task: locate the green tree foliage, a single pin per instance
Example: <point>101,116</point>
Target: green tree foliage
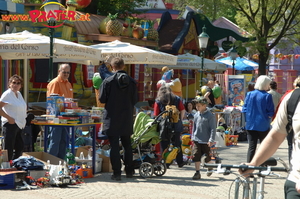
<point>125,8</point>
<point>269,21</point>
<point>213,9</point>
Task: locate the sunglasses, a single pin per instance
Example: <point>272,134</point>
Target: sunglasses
<point>18,83</point>
<point>65,73</point>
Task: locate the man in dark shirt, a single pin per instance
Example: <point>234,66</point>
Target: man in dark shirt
<point>119,93</point>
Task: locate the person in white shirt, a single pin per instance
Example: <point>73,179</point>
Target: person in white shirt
<point>273,140</point>
<point>13,112</point>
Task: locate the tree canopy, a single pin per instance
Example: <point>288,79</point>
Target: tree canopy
<point>269,21</point>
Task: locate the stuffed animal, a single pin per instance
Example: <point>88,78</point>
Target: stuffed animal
<point>168,74</point>
<point>186,144</point>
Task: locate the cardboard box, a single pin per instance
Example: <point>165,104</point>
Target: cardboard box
<point>106,165</point>
<point>55,105</point>
<point>4,156</point>
<point>44,157</point>
<point>36,174</point>
<point>84,149</point>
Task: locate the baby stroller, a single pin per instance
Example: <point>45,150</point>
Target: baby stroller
<point>144,138</point>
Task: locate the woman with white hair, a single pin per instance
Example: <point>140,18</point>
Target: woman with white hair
<point>258,109</point>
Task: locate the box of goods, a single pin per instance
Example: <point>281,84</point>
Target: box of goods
<point>36,174</point>
<point>55,105</point>
<point>8,177</point>
<point>44,157</point>
<point>85,172</point>
<point>7,181</point>
<point>99,166</point>
<point>71,119</point>
<point>71,105</point>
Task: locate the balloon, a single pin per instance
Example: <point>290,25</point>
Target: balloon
<point>203,90</point>
<point>97,81</point>
<point>217,91</point>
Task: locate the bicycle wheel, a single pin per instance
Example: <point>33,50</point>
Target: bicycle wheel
<point>146,170</point>
<point>159,168</point>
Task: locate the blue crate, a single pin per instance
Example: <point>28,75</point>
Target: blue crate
<point>7,181</point>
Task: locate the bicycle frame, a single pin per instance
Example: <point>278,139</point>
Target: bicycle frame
<point>263,171</point>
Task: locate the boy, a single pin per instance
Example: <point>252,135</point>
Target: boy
<point>204,132</point>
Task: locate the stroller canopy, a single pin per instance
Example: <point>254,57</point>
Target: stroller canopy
<point>144,130</point>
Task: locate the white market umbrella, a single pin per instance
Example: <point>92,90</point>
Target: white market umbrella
<point>190,61</point>
<point>132,54</point>
<point>27,45</point>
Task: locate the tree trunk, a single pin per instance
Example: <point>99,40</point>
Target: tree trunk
<point>263,59</point>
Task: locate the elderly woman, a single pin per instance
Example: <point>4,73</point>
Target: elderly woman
<point>258,109</point>
<point>13,116</point>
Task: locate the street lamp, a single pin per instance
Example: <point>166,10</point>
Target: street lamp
<point>50,6</point>
<point>233,56</point>
<point>203,40</point>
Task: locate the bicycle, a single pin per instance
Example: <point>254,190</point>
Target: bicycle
<point>266,169</point>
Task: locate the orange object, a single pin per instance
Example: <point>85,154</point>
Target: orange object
<point>85,173</point>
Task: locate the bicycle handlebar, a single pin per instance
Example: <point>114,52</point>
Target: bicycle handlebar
<point>245,167</point>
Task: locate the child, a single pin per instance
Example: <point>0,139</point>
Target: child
<point>204,132</point>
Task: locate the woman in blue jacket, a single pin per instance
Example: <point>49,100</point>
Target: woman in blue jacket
<point>258,109</point>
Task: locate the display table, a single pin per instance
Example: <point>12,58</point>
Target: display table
<point>71,128</point>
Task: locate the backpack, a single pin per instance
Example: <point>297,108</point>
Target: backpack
<point>291,107</point>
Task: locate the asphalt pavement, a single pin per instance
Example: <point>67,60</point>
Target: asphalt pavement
<point>175,183</point>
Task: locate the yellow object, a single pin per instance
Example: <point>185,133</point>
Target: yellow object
<point>186,145</point>
<point>231,140</point>
<point>172,155</point>
<point>175,113</point>
<point>176,87</point>
<point>203,90</point>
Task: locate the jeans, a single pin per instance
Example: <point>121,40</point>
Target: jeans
<point>58,142</point>
<point>253,137</point>
<point>290,190</point>
<point>115,156</point>
<point>13,140</point>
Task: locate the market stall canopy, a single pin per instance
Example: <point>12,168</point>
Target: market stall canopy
<point>27,45</point>
<point>190,61</point>
<point>239,63</point>
<point>132,54</point>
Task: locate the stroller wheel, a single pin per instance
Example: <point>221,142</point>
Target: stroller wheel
<point>146,170</point>
<point>159,168</point>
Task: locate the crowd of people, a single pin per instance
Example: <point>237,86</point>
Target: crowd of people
<point>119,94</point>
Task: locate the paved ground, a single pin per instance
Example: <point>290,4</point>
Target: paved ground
<point>176,183</point>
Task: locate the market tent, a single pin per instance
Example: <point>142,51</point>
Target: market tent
<point>26,45</point>
<point>132,54</point>
<point>189,61</point>
<point>239,63</point>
